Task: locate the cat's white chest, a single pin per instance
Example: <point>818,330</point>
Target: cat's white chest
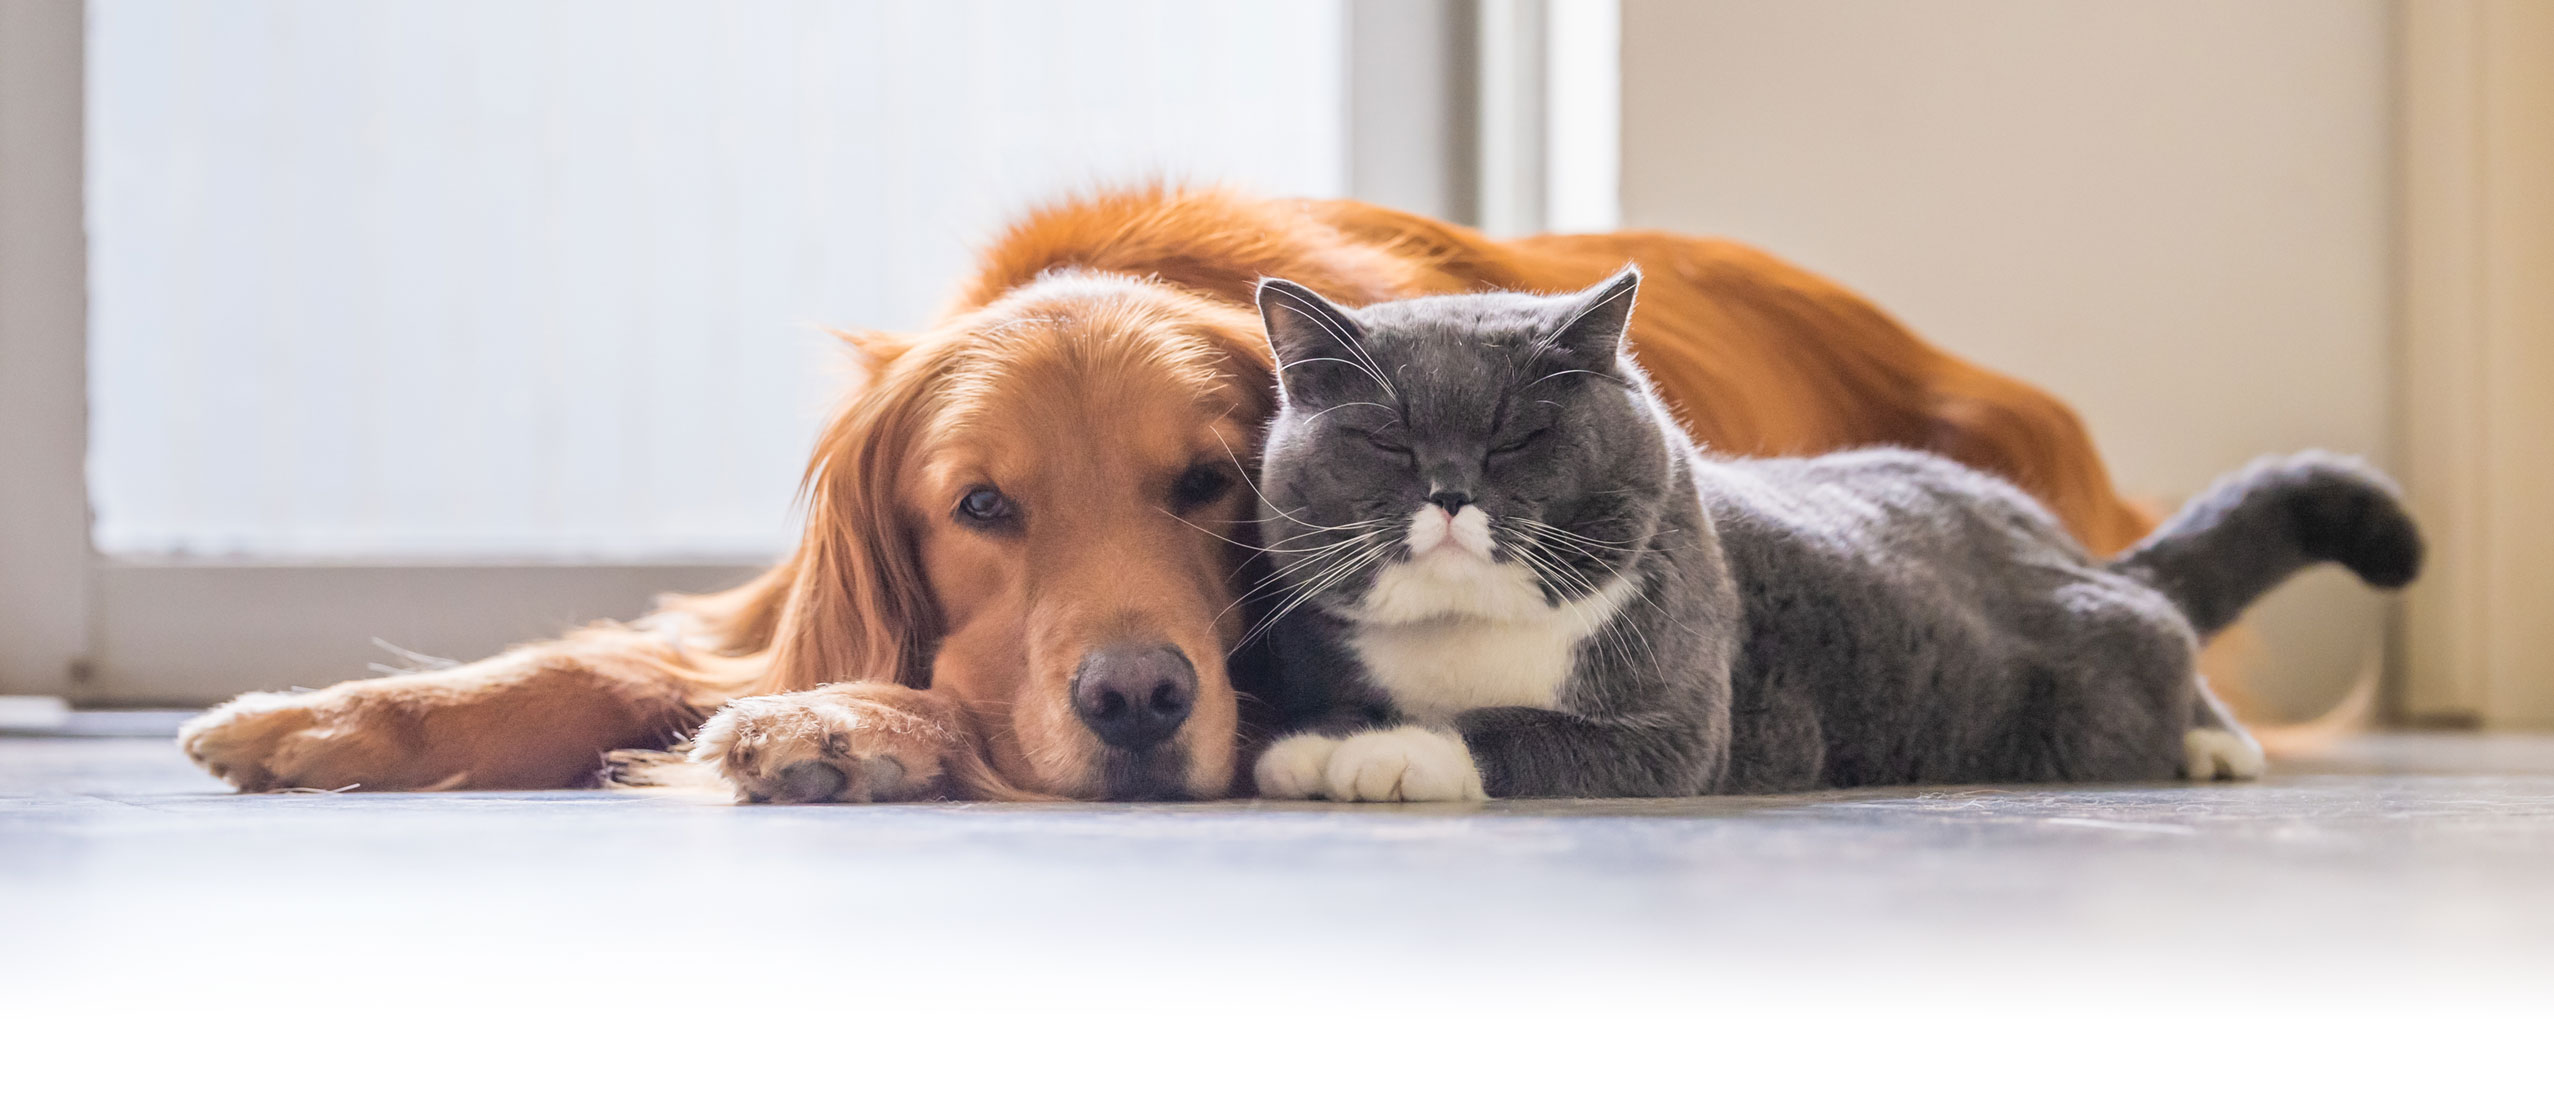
<point>1463,637</point>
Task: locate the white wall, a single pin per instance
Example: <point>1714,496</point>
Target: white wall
<point>477,279</point>
<point>2173,213</point>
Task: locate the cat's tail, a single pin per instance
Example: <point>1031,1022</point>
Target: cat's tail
<point>2267,522</point>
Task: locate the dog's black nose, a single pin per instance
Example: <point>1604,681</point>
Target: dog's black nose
<point>1450,502</point>
<point>1135,696</point>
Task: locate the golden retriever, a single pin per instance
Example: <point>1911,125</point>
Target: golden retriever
<point>1027,548</point>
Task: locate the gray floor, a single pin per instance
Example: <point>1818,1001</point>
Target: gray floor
<point>2394,866</point>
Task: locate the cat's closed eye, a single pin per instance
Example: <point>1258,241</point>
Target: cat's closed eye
<point>1517,443</point>
<point>1389,445</point>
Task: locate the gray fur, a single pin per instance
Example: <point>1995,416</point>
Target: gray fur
<point>1873,617</point>
<point>2257,527</point>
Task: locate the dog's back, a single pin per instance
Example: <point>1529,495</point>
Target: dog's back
<point>1757,356</point>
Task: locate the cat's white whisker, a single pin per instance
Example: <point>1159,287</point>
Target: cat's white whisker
<point>1573,535</point>
<point>1315,416</point>
<point>1549,377</point>
<point>1278,580</point>
<point>1346,340</point>
<point>1614,632</point>
<point>1282,546</point>
<point>1309,591</point>
<point>1259,492</point>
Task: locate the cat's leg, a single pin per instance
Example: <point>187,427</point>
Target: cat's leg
<point>2111,694</point>
<point>2216,746</point>
<point>1525,751</point>
<point>2137,660</point>
<point>1779,743</point>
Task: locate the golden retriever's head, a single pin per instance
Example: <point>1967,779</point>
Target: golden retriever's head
<point>1036,510</point>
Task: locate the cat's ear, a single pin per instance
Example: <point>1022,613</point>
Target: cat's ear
<point>1314,339</point>
<point>1598,319</point>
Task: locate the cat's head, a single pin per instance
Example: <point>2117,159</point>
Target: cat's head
<point>1494,455</point>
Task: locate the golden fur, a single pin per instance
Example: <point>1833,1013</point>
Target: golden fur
<point>1101,349</point>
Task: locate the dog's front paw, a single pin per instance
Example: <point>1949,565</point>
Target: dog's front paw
<point>241,740</point>
<point>1292,768</point>
<point>1411,764</point>
<point>352,735</point>
<point>822,746</point>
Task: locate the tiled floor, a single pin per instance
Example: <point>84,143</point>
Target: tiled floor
<point>2419,862</point>
<point>163,932</point>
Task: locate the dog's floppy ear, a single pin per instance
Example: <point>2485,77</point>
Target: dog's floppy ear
<point>1235,334</point>
<point>858,605</point>
<point>1318,346</point>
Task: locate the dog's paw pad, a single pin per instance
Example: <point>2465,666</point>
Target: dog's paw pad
<point>809,781</point>
<point>809,748</point>
<point>859,780</point>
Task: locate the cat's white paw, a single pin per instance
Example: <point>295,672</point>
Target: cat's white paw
<point>2211,754</point>
<point>1292,768</point>
<point>1410,764</point>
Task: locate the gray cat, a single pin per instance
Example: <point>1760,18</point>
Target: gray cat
<point>1506,571</point>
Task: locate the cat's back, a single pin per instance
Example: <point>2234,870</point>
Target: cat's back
<point>1878,506</point>
<point>1902,612</point>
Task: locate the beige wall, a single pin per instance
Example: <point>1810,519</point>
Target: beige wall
<point>2173,213</point>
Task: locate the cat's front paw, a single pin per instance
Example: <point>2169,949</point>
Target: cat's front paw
<point>1410,764</point>
<point>2210,754</point>
<point>1292,768</point>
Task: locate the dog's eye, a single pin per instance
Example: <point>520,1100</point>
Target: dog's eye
<point>984,506</point>
<point>1512,445</point>
<point>1199,486</point>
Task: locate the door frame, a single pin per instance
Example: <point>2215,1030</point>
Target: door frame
<point>2476,371</point>
<point>44,516</point>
